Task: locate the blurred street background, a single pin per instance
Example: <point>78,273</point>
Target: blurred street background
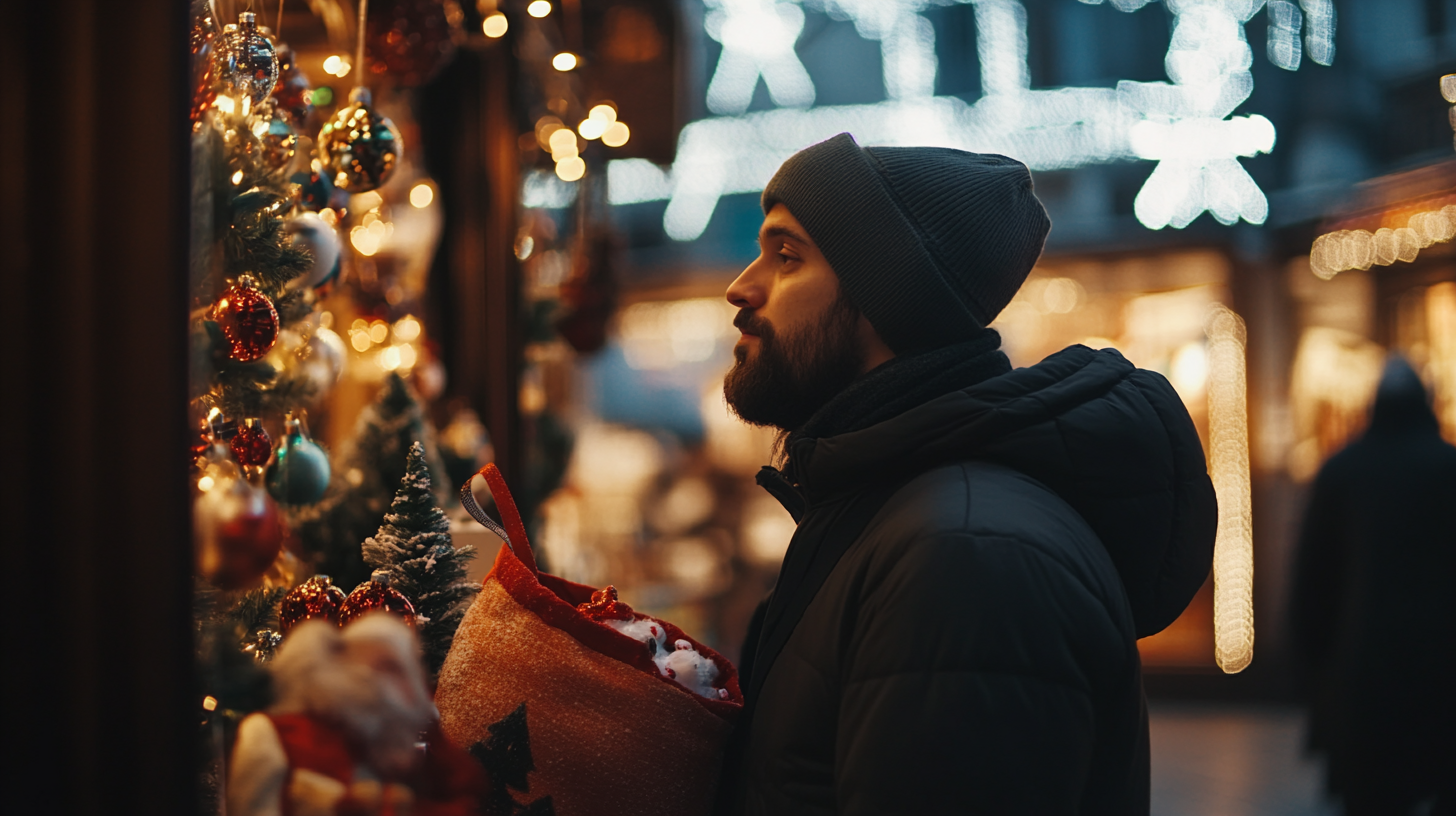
<point>1255,198</point>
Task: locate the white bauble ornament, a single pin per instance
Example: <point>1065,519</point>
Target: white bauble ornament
<point>327,348</point>
<point>311,231</point>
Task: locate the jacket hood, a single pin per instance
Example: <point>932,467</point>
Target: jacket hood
<point>1112,440</point>
<point>1401,402</point>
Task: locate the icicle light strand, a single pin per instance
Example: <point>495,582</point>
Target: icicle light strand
<point>1233,550</point>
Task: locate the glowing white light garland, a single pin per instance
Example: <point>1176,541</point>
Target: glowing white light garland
<point>1341,250</point>
<point>1185,125</point>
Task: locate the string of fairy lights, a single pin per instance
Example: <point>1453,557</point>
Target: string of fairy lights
<point>563,136</point>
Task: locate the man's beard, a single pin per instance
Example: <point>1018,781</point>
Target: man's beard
<point>794,373</point>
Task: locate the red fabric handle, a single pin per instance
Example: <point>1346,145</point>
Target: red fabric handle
<point>515,530</point>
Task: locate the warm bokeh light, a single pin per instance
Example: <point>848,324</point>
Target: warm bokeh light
<point>539,8</point>
<point>378,331</point>
<point>407,328</point>
<point>337,65</point>
<point>1343,250</point>
<point>359,340</point>
<point>571,168</point>
<point>603,112</point>
<point>238,177</point>
<point>365,241</point>
<point>389,358</point>
<point>563,144</point>
<point>767,529</point>
<point>421,195</point>
<point>616,135</point>
<point>205,484</point>
<point>408,356</point>
<point>659,335</point>
<point>496,24</point>
<point>1228,465</point>
<point>564,61</point>
<point>209,703</point>
<point>367,201</point>
<point>591,128</point>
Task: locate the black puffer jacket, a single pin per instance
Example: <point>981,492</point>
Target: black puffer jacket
<point>974,649</point>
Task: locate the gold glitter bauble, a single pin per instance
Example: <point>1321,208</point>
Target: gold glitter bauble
<point>359,148</point>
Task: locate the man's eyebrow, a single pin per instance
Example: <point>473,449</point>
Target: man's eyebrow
<point>780,231</point>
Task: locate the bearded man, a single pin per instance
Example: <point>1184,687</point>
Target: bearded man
<point>954,628</point>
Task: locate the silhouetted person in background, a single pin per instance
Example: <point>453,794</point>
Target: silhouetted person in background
<point>1374,609</point>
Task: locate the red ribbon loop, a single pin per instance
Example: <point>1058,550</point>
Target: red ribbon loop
<point>514,531</point>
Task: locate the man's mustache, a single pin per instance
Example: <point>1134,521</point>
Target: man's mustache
<point>749,322</point>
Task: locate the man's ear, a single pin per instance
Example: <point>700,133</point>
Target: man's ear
<point>876,352</point>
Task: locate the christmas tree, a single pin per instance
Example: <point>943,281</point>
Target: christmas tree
<point>247,206</point>
<point>414,546</point>
<point>368,470</point>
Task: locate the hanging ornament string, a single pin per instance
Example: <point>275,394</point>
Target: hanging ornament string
<point>278,29</point>
<point>359,48</point>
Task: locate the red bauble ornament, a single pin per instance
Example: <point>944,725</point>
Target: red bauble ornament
<point>314,599</point>
<point>409,40</point>
<point>605,606</point>
<point>237,528</point>
<point>251,446</point>
<point>247,319</point>
<point>376,595</point>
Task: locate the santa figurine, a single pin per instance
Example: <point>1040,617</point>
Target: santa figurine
<point>344,737</point>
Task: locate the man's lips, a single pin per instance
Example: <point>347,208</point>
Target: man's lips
<point>745,322</point>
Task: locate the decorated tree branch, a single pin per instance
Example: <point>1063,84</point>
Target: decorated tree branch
<point>367,471</point>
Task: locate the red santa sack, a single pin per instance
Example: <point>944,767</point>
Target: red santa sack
<point>556,704</point>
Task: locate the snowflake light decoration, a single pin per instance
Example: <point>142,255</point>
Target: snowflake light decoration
<point>1185,125</point>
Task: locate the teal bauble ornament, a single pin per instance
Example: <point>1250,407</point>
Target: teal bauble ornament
<point>300,472</point>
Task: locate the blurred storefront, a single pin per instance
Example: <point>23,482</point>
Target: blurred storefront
<point>1253,198</point>
<point>1183,242</point>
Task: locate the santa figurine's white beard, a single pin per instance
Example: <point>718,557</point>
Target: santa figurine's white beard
<point>366,681</point>
<point>376,712</point>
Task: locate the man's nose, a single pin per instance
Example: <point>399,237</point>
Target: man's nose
<point>745,292</point>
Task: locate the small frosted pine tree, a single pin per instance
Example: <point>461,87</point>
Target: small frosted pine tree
<point>367,471</point>
<point>414,546</point>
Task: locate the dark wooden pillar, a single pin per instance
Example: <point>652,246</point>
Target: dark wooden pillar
<point>99,712</point>
<point>468,122</point>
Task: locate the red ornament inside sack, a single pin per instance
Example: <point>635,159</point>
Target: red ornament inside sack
<point>550,658</point>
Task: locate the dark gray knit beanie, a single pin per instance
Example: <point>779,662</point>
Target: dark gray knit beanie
<point>930,243</point>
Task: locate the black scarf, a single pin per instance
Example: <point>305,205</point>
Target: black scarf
<point>886,392</point>
<point>905,382</point>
